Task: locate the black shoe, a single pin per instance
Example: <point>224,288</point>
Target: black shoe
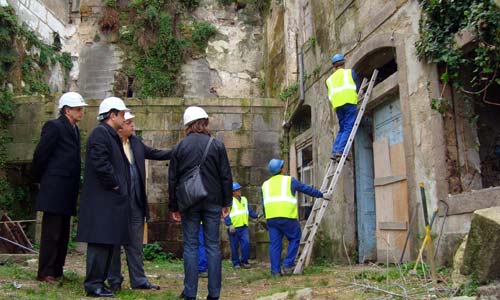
<point>115,287</point>
<point>147,286</point>
<point>245,265</point>
<point>100,292</point>
<point>212,298</point>
<point>182,296</point>
<point>287,270</point>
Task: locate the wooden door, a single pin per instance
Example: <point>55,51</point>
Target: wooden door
<point>365,194</point>
<point>390,181</point>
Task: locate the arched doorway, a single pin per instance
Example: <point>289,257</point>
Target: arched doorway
<point>379,159</point>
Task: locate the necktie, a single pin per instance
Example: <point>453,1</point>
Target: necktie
<point>128,152</point>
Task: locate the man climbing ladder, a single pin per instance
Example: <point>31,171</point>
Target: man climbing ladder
<point>330,180</point>
<point>343,87</point>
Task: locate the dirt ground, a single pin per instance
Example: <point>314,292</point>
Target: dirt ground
<point>326,281</point>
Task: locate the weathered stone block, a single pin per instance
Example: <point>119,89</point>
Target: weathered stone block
<point>489,292</point>
<point>240,157</point>
<point>226,121</point>
<point>258,175</point>
<point>267,121</point>
<point>266,140</point>
<point>483,245</point>
<point>39,10</point>
<point>235,139</point>
<point>55,23</point>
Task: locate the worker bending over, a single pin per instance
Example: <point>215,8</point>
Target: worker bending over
<point>279,197</point>
<point>343,86</point>
<point>237,223</point>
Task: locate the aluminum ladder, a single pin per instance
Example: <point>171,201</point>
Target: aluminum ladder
<point>329,181</point>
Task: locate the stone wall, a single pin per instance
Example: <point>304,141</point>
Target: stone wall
<point>249,128</point>
<point>232,64</point>
<point>48,18</point>
<point>357,29</point>
<point>40,17</point>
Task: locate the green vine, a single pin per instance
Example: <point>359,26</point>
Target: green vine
<point>24,58</point>
<point>440,25</point>
<point>289,91</point>
<point>157,37</point>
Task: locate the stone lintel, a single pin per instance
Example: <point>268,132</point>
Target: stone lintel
<point>471,201</point>
<point>381,90</point>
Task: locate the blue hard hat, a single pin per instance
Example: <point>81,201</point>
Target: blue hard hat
<point>275,165</point>
<point>337,57</point>
<point>236,186</point>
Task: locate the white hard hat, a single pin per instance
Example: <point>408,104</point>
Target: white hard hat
<point>112,103</point>
<point>71,99</point>
<point>194,113</point>
<point>128,116</point>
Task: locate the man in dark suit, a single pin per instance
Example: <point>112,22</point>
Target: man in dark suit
<point>104,202</point>
<point>57,167</point>
<point>136,153</point>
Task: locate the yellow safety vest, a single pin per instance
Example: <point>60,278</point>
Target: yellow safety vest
<point>278,199</point>
<point>341,88</point>
<point>239,212</point>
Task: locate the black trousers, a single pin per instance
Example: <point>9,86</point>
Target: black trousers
<point>53,244</point>
<point>98,261</point>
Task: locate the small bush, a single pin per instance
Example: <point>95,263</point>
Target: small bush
<point>202,32</point>
<point>155,252</point>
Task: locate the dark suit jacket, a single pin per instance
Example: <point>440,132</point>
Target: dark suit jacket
<point>141,153</point>
<point>104,212</point>
<point>57,166</point>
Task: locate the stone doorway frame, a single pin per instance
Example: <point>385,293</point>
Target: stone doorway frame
<point>397,82</point>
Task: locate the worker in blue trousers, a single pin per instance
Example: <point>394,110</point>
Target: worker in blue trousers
<point>202,255</point>
<point>343,86</point>
<point>279,198</point>
<point>237,228</point>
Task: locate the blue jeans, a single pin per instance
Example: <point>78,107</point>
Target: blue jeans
<point>346,114</point>
<point>240,237</point>
<point>202,254</point>
<point>290,228</point>
<point>210,215</point>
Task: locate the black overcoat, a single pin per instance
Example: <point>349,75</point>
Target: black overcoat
<point>57,166</point>
<point>141,153</point>
<point>104,212</point>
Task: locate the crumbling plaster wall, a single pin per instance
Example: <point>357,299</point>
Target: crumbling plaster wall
<point>233,63</point>
<point>355,28</point>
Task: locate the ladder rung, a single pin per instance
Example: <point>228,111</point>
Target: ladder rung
<point>334,170</point>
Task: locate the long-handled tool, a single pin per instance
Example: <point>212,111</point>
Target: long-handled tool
<point>428,238</point>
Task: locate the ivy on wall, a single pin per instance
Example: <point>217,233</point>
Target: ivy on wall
<point>157,36</point>
<point>25,62</point>
<point>441,22</point>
